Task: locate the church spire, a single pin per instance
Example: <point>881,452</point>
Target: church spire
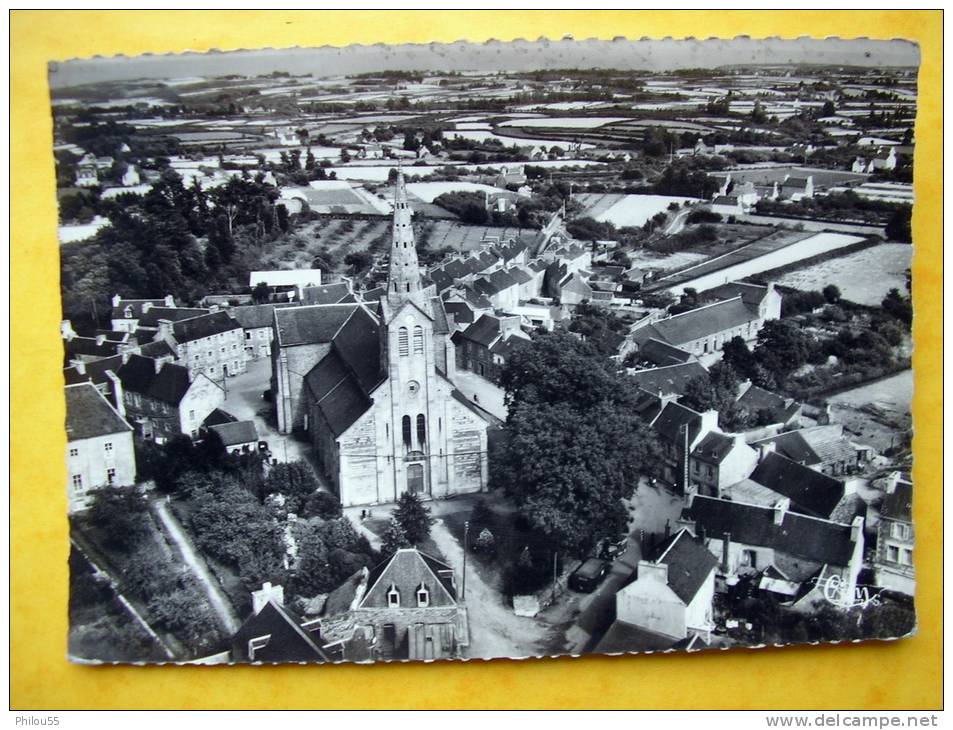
<point>403,276</point>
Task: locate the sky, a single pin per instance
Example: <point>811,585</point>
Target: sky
<point>652,55</point>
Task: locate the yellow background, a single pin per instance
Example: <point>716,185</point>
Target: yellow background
<point>899,674</point>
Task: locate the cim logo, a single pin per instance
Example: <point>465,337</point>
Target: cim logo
<point>837,592</point>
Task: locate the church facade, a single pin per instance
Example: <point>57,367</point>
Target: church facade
<point>371,385</point>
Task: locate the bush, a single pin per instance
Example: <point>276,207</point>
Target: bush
<point>485,542</point>
<point>120,514</point>
<point>321,504</point>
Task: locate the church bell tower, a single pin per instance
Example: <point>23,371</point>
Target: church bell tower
<point>403,276</point>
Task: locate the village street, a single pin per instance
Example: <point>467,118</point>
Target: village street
<point>495,631</point>
<point>244,400</point>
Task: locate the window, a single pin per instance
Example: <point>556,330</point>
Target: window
<point>695,467</point>
<point>418,339</point>
<point>393,597</point>
<point>405,423</point>
<point>709,471</point>
<point>110,476</point>
<point>403,346</point>
<point>907,557</point>
<point>108,448</point>
<point>893,553</point>
<point>421,429</point>
<point>77,481</point>
<point>423,596</point>
<point>247,335</point>
<point>191,416</point>
<point>74,452</point>
<point>900,531</point>
<point>749,558</point>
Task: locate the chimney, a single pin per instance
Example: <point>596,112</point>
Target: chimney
<point>780,507</point>
<point>856,529</point>
<point>100,339</point>
<point>118,399</point>
<point>146,306</point>
<point>66,330</point>
<point>116,300</point>
<point>891,481</point>
<point>157,364</point>
<point>213,308</point>
<point>765,448</point>
<point>268,592</point>
<point>165,330</point>
<point>169,301</point>
<point>80,366</point>
<point>709,422</point>
<point>657,572</point>
<point>125,352</point>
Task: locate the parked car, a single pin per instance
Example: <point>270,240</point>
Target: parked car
<point>610,548</point>
<point>588,575</point>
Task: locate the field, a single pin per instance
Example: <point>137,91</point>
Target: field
<point>564,122</point>
<point>627,210</point>
<point>879,413</point>
<point>338,236</point>
<point>470,238</point>
<point>864,277</point>
<point>427,191</point>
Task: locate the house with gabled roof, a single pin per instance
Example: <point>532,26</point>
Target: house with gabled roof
<point>475,345</point>
<point>371,385</point>
<point>672,593</point>
<point>719,460</point>
<point>668,380</point>
<point>256,322</point>
<point>804,551</point>
<point>824,448</point>
<point>273,634</point>
<point>99,448</point>
<point>212,343</point>
<point>680,429</point>
<point>407,607</point>
<point>893,560</point>
<point>126,313</point>
<point>163,399</point>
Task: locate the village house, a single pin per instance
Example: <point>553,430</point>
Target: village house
<point>272,634</point>
<point>767,408</point>
<point>824,448</point>
<point>238,437</point>
<point>719,460</point>
<point>777,477</point>
<point>475,345</point>
<point>99,449</point>
<point>212,344</point>
<point>680,429</point>
<point>797,188</point>
<point>256,323</point>
<point>893,561</point>
<point>726,205</point>
<point>668,380</point>
<point>672,594</point>
<point>404,608</point>
<point>163,400</point>
<point>735,310</point>
<point>126,313</point>
<point>101,372</point>
<point>787,553</point>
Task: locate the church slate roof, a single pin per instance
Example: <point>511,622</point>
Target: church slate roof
<point>310,325</point>
<point>689,564</point>
<point>89,414</point>
<point>358,343</point>
<point>807,537</point>
<point>809,490</point>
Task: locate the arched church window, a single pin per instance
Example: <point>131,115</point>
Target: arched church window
<point>421,429</point>
<point>403,343</point>
<point>405,423</point>
<point>418,339</point>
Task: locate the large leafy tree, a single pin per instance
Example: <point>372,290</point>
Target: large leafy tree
<point>574,447</point>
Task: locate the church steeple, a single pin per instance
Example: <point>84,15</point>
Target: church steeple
<point>403,276</point>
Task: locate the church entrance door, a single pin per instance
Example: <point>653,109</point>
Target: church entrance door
<point>416,483</point>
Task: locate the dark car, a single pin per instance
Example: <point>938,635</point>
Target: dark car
<point>588,575</point>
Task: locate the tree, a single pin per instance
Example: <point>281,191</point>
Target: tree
<point>321,504</point>
<point>294,479</point>
<point>573,446</point>
<point>898,225</point>
<point>782,347</point>
<point>120,516</point>
<point>414,517</point>
<point>261,294</point>
<point>898,306</point>
<point>831,293</point>
<point>717,391</point>
<point>394,537</point>
<point>735,354</point>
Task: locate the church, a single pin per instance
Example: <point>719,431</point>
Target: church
<point>371,385</point>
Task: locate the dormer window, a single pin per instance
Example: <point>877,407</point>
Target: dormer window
<point>423,596</point>
<point>393,597</point>
<point>127,312</point>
